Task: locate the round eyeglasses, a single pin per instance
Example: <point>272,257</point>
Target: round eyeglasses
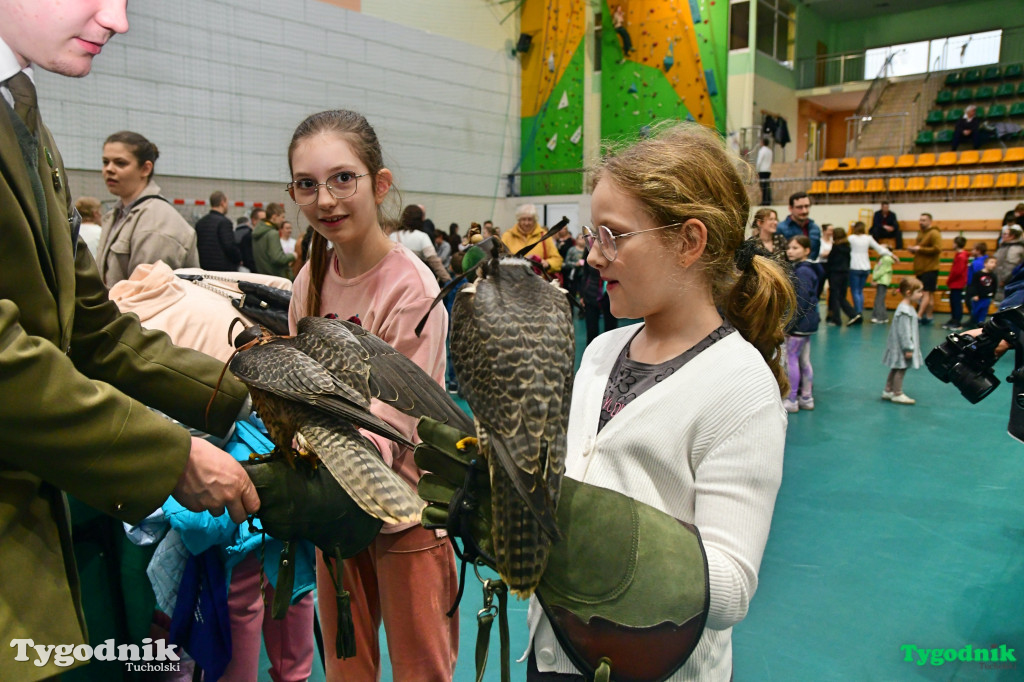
<point>606,239</point>
<point>341,186</point>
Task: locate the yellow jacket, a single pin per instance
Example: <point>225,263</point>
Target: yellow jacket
<point>546,250</point>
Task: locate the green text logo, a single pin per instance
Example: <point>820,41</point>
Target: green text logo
<point>993,654</point>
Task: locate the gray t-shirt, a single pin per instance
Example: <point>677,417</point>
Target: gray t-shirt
<point>630,378</point>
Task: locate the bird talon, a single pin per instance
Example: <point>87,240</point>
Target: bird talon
<point>466,442</point>
<point>256,457</point>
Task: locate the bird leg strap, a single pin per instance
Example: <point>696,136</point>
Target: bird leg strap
<point>463,505</point>
<point>345,641</point>
<point>485,618</point>
<point>285,581</point>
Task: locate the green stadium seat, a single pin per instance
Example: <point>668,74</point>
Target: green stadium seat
<point>1013,71</point>
<point>972,76</point>
<point>980,113</point>
<point>1017,109</point>
<point>1005,90</point>
<point>944,136</point>
<point>954,115</point>
<point>996,111</point>
<point>1020,88</point>
<point>954,79</point>
<point>925,137</point>
<point>944,97</point>
<point>993,73</point>
<point>984,92</point>
<point>934,117</point>
<point>964,95</point>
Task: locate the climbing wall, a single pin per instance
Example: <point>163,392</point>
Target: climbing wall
<point>552,96</point>
<point>676,69</point>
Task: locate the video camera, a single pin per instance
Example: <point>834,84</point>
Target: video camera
<point>967,361</point>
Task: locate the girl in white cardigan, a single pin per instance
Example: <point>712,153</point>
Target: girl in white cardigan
<point>682,412</point>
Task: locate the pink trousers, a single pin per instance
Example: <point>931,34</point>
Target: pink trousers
<point>289,641</point>
<point>406,580</point>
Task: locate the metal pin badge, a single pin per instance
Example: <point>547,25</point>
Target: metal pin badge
<point>49,156</point>
<point>56,180</point>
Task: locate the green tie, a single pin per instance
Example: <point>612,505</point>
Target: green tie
<point>25,103</point>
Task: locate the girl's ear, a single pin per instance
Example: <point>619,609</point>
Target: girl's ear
<point>382,185</point>
<point>147,169</point>
<point>695,239</point>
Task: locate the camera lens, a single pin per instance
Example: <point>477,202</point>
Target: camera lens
<point>974,385</point>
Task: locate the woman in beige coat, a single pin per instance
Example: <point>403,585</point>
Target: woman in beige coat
<point>143,227</point>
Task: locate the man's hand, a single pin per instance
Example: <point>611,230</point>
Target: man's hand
<point>213,480</point>
<point>1000,349</point>
<point>913,249</point>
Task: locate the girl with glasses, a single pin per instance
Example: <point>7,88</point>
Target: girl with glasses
<point>406,577</point>
<point>684,411</point>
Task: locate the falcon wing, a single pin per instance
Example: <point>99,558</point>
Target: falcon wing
<point>285,371</point>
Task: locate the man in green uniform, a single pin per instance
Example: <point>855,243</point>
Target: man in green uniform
<point>76,375</point>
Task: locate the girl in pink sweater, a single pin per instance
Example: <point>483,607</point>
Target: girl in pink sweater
<point>406,577</point>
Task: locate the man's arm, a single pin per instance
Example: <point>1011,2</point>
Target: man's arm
<point>226,237</point>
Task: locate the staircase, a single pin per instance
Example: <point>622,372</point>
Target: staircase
<point>887,133</point>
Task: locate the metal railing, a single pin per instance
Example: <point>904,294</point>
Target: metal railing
<point>538,183</point>
<point>835,69</point>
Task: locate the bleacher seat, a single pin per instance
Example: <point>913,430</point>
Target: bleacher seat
<point>925,137</point>
<point>856,186</point>
<point>848,163</point>
<point>980,111</point>
<point>1004,90</point>
<point>936,183</point>
<point>984,92</point>
<point>970,157</point>
<point>996,111</point>
<point>954,115</point>
<point>954,79</point>
<point>983,181</point>
<point>1014,155</point>
<point>972,76</point>
<point>934,117</point>
<point>818,187</point>
<point>964,95</point>
<point>961,182</point>
<point>897,184</point>
<point>1013,71</point>
<point>924,161</point>
<point>905,161</point>
<point>1017,109</point>
<point>915,184</point>
<point>836,186</point>
<point>944,136</point>
<point>993,73</point>
<point>992,156</point>
<point>1006,180</point>
<point>875,185</point>
<point>946,159</point>
<point>1020,88</point>
<point>885,162</point>
<point>866,163</point>
<point>829,165</point>
<point>944,97</point>
<point>1021,183</point>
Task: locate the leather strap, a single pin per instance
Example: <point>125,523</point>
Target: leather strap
<point>485,619</point>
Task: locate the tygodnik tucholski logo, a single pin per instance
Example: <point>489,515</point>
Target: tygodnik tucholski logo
<point>992,657</point>
<point>152,656</point>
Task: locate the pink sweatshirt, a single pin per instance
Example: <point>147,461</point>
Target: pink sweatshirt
<point>389,300</point>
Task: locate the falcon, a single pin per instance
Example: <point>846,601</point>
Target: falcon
<point>513,349</point>
<point>314,390</point>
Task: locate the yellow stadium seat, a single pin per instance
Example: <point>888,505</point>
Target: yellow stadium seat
<point>1021,184</point>
<point>915,184</point>
<point>875,185</point>
<point>961,182</point>
<point>848,163</point>
<point>897,184</point>
<point>983,181</point>
<point>924,160</point>
<point>1006,180</point>
<point>992,156</point>
<point>829,165</point>
<point>855,187</point>
<point>937,183</point>
<point>866,163</point>
<point>968,158</point>
<point>905,161</point>
<point>819,186</point>
<point>946,159</point>
<point>885,162</point>
<point>1014,154</point>
<point>836,186</point>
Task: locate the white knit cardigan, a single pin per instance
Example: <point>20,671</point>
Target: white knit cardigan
<point>705,445</point>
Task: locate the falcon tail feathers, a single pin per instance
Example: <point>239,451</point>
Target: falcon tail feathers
<point>530,488</point>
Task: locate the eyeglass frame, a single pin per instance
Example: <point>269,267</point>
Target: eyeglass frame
<point>590,237</point>
<point>290,188</point>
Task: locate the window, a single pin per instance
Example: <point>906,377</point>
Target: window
<point>739,25</point>
<point>955,52</point>
<point>776,29</point>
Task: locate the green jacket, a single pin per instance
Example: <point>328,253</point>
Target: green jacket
<point>68,363</point>
<point>267,252</point>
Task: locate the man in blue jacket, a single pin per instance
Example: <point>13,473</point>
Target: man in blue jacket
<point>799,222</point>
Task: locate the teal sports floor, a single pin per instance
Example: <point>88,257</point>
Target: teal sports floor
<point>895,526</point>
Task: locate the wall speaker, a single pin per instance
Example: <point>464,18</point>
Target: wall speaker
<point>524,42</point>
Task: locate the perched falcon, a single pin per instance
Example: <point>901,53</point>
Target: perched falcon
<point>314,390</point>
<point>513,349</point>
